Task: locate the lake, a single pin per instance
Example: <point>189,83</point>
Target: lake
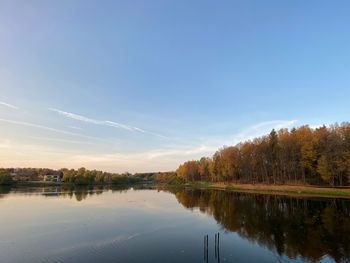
<point>137,224</point>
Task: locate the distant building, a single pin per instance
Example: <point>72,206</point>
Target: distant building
<point>53,178</point>
<point>127,174</point>
<point>14,176</point>
<point>41,177</point>
<point>24,175</point>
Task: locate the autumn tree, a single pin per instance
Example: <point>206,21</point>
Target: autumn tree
<point>300,155</point>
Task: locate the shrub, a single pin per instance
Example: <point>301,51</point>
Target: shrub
<point>5,178</point>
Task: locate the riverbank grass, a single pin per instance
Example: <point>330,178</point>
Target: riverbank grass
<point>277,189</point>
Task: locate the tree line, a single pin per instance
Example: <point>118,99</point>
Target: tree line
<point>301,155</point>
<point>83,176</point>
<point>80,176</point>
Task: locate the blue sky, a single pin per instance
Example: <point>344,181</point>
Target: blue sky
<point>145,85</point>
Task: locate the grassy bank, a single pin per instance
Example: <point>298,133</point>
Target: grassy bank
<point>275,189</point>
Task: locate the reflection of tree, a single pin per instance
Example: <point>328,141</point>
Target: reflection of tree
<point>310,228</point>
<point>81,192</point>
<point>143,186</point>
<point>118,188</point>
<point>4,189</point>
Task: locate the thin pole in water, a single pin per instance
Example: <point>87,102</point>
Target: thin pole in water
<point>204,248</point>
<point>215,246</point>
<point>218,247</point>
<point>207,249</point>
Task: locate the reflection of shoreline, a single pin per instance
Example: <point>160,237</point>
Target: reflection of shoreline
<point>78,192</point>
<point>295,227</point>
<point>290,190</point>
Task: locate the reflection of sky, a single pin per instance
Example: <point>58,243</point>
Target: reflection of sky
<point>146,200</point>
<point>127,226</point>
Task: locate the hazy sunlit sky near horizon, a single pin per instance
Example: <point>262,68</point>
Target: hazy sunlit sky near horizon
<point>145,85</point>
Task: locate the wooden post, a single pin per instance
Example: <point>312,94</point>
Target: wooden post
<point>207,248</point>
<point>215,246</point>
<point>218,247</point>
<point>204,248</point>
<point>218,239</point>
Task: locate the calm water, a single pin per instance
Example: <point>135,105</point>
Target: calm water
<point>149,225</point>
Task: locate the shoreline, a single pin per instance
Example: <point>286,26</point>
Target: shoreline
<point>50,183</point>
<point>291,190</point>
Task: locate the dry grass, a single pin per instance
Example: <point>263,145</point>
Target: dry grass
<point>285,189</point>
<point>280,187</point>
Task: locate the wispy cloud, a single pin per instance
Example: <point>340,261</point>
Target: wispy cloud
<point>60,140</point>
<point>277,124</point>
<point>9,105</point>
<point>247,133</point>
<point>186,151</point>
<point>165,158</point>
<point>75,128</point>
<point>171,156</point>
<point>28,124</point>
<point>105,123</point>
<point>316,126</point>
<point>261,128</point>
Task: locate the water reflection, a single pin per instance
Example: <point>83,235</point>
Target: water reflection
<point>78,193</point>
<point>305,229</point>
<point>310,228</point>
<point>4,189</point>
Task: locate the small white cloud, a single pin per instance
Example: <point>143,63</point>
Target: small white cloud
<point>9,105</point>
<point>75,128</point>
<point>248,133</point>
<point>119,125</point>
<point>181,152</point>
<point>316,126</point>
<point>261,129</point>
<point>76,116</point>
<point>277,124</point>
